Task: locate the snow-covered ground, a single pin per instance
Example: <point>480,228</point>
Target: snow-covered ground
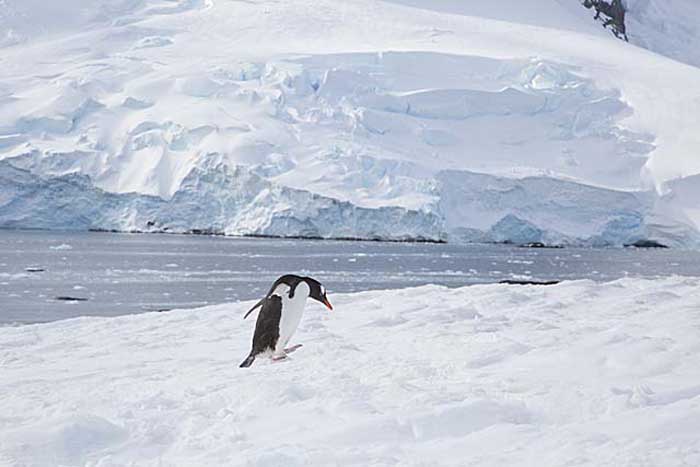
<point>325,118</point>
<point>581,373</point>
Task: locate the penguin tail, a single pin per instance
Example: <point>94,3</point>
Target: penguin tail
<point>247,362</point>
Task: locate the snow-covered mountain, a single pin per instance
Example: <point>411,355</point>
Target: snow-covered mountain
<point>402,119</point>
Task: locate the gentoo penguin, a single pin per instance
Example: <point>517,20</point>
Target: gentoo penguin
<point>280,314</point>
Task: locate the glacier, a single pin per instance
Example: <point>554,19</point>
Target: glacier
<point>213,198</point>
<point>440,122</point>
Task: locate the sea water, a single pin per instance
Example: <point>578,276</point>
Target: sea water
<point>47,276</point>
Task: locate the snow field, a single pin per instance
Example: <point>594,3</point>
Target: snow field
<point>581,373</point>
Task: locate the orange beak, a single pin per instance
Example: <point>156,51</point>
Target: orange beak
<point>327,303</point>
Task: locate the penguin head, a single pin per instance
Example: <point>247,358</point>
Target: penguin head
<point>318,292</point>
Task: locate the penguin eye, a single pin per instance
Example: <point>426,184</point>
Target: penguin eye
<point>323,290</point>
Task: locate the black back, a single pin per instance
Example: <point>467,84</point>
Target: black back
<point>316,290</point>
<point>291,280</point>
<point>267,328</point>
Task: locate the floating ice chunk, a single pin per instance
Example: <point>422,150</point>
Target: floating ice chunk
<point>62,246</point>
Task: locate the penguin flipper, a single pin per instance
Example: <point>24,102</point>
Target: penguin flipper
<point>262,300</point>
<point>282,280</point>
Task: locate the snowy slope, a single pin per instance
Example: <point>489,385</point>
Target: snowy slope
<point>580,373</point>
<point>668,27</point>
<point>363,102</point>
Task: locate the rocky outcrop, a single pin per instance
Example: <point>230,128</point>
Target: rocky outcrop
<point>612,15</point>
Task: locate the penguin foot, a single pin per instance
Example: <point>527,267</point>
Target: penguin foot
<point>278,358</point>
<point>293,348</point>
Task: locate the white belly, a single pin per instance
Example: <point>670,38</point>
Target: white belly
<point>292,310</point>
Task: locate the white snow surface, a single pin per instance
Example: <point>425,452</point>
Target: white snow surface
<point>581,373</point>
<point>369,103</point>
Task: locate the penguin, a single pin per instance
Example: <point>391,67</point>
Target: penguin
<point>280,314</point>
